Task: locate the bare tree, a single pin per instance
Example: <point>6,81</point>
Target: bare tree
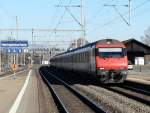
<point>146,39</point>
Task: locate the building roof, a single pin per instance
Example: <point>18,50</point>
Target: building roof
<point>136,41</point>
<point>135,45</point>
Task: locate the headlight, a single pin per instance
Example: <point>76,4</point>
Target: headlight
<point>101,68</point>
<point>102,72</point>
<point>123,72</point>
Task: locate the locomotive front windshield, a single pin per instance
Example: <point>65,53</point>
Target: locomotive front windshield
<point>111,52</point>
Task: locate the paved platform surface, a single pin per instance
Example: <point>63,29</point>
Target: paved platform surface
<point>30,103</point>
<point>141,77</point>
<point>1,73</point>
<point>4,72</point>
<point>7,71</point>
<point>32,100</point>
<point>9,89</point>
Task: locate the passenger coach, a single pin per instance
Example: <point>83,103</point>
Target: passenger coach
<point>105,60</point>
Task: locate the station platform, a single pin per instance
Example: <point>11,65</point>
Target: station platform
<point>4,72</point>
<point>9,71</point>
<point>26,93</point>
<point>140,77</point>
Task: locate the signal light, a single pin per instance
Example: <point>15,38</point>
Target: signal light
<point>102,68</point>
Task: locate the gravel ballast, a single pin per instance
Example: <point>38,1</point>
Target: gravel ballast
<point>112,102</point>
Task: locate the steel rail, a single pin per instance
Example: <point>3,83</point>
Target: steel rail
<point>56,98</point>
<point>84,99</point>
<point>9,72</point>
<point>130,95</point>
<point>138,85</point>
<point>138,90</point>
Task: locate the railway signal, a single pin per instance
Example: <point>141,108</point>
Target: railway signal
<point>14,68</point>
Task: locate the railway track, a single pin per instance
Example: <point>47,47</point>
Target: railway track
<point>6,73</point>
<point>67,99</point>
<point>9,72</point>
<point>138,87</point>
<point>136,92</point>
<point>131,92</point>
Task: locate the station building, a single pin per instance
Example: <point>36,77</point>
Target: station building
<point>138,52</point>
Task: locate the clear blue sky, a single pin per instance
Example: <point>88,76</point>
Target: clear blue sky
<point>44,14</point>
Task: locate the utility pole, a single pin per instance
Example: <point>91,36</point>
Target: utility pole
<point>130,27</point>
<point>24,56</point>
<point>0,55</point>
<point>127,21</point>
<point>32,48</point>
<point>80,22</point>
<point>129,12</point>
<point>0,58</point>
<point>14,77</point>
<point>83,22</point>
<point>17,27</point>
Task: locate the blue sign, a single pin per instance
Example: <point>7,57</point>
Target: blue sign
<point>18,43</point>
<point>14,50</point>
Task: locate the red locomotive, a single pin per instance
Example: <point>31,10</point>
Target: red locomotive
<point>105,60</point>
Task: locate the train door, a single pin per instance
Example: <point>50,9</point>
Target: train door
<point>93,60</point>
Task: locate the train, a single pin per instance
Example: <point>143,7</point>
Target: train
<point>106,60</point>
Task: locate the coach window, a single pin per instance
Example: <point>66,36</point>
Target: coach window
<point>78,58</point>
<point>87,56</point>
<point>75,57</point>
<point>73,60</point>
<point>68,59</point>
<point>64,60</point>
<point>81,57</point>
<point>84,57</point>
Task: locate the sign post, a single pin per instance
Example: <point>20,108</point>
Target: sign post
<point>14,68</point>
<point>14,47</point>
